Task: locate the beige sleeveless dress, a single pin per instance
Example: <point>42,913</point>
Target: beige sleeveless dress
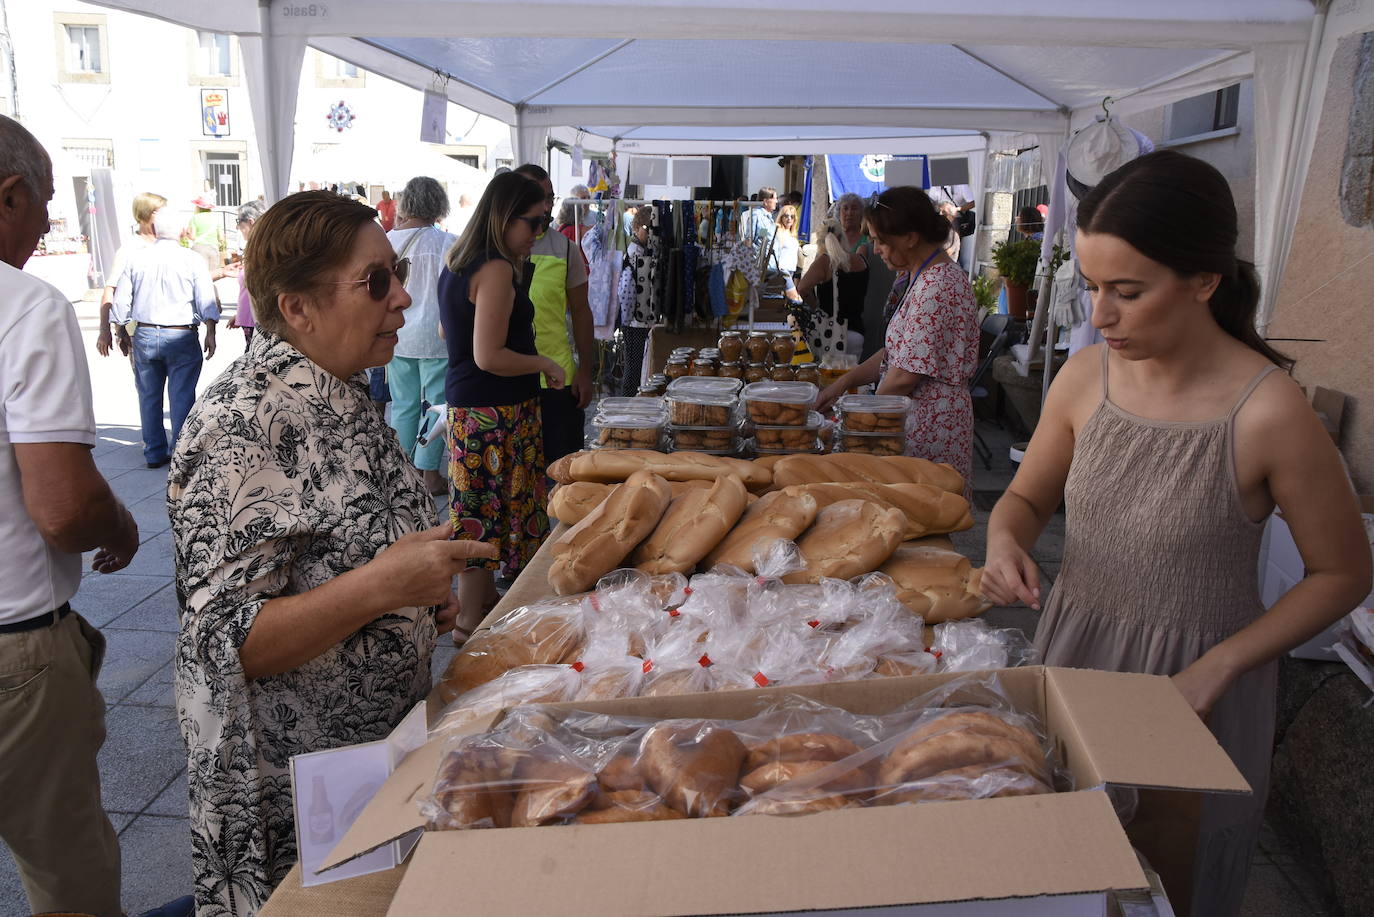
<point>1161,564</point>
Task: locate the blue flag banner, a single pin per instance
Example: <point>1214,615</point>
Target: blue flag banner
<point>866,175</point>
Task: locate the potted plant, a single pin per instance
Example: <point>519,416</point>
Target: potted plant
<point>1016,262</point>
<point>985,294</point>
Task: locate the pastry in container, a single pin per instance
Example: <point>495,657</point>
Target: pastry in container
<point>873,413</point>
<point>701,439</point>
<point>697,407</point>
<point>789,438</point>
<point>869,443</point>
<point>779,404</point>
<point>628,430</point>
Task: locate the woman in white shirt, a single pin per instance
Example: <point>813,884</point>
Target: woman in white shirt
<point>416,372</point>
<point>787,251</point>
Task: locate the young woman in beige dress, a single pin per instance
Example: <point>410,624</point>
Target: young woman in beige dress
<point>1170,444</point>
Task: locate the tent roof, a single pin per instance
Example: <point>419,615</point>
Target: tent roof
<point>707,70</point>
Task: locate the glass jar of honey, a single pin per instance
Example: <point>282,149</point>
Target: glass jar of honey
<point>758,347</point>
<point>755,372</point>
<point>731,345</point>
<point>783,347</point>
<point>731,369</point>
<point>782,372</point>
<point>809,372</point>
<point>677,368</point>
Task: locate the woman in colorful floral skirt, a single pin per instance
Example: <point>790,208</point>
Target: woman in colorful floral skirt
<point>496,456</point>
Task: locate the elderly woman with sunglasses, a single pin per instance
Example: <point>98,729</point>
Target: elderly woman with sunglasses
<point>496,447</point>
<point>311,576</point>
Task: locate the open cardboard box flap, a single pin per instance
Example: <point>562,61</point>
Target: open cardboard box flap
<point>1107,727</point>
<point>762,864</point>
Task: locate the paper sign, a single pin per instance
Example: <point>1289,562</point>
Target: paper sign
<point>577,160</point>
<point>434,117</point>
<point>692,171</point>
<point>330,790</point>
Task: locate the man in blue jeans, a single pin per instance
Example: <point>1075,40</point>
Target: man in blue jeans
<point>167,291</point>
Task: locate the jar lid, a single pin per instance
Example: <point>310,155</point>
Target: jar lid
<point>627,420</point>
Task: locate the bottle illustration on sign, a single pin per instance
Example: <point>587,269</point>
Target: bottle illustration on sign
<point>321,813</point>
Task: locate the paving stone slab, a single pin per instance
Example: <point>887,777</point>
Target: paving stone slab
<point>131,658</point>
<point>158,691</point>
<point>157,862</point>
<point>142,753</point>
<point>104,597</point>
<point>157,612</point>
<point>171,801</point>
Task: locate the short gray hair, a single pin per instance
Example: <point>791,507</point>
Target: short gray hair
<point>21,154</point>
<point>250,212</point>
<point>423,198</point>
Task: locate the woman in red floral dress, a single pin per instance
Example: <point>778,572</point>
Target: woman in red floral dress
<point>931,342</point>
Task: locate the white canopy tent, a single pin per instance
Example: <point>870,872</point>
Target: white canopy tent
<point>391,166</point>
<point>781,76</point>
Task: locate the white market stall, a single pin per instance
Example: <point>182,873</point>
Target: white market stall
<point>777,76</point>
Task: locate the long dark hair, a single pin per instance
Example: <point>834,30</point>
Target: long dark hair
<point>1178,211</point>
<point>507,196</point>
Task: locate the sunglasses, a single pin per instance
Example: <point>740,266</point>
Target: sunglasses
<point>874,203</point>
<point>379,279</point>
<point>538,224</point>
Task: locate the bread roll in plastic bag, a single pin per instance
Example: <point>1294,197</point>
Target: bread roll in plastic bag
<point>528,684</point>
<point>972,645</point>
<point>543,634</point>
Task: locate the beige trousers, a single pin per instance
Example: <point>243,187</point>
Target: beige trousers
<point>52,724</point>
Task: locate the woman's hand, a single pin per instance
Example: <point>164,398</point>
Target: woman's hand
<point>1011,576</point>
<point>1202,685</point>
<point>446,615</point>
<point>554,374</point>
<point>418,569</point>
<point>829,394</point>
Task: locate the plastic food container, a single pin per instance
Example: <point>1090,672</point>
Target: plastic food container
<point>628,430</point>
<point>779,404</point>
<point>697,384</point>
<point>795,438</point>
<point>870,443</point>
<point>702,439</point>
<point>636,405</point>
<point>873,413</point>
<point>815,448</point>
<point>691,407</point>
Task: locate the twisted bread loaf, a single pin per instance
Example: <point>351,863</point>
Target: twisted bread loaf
<point>853,466</point>
<point>848,539</point>
<point>937,584</point>
<point>929,510</point>
<point>694,523</point>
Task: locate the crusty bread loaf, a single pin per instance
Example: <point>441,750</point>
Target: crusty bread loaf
<point>775,515</point>
<point>570,503</point>
<point>848,539</point>
<point>694,523</point>
<point>597,544</point>
<point>561,469</point>
<point>616,465</point>
<point>850,466</point>
<point>935,583</point>
<point>929,510</point>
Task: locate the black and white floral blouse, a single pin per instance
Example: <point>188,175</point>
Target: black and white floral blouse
<point>284,477</point>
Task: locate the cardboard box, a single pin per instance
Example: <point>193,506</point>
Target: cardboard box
<point>1330,406</point>
<point>1125,729</point>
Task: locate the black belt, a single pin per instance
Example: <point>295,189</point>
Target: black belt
<point>46,619</point>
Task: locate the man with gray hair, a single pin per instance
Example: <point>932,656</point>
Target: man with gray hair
<point>52,717</point>
<point>168,294</point>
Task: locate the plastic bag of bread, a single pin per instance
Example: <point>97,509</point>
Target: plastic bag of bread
<point>679,661</point>
<point>693,765</point>
<point>543,634</point>
<point>848,539</point>
<point>718,599</point>
<point>968,646</point>
<point>528,684</point>
<point>627,609</point>
<point>597,544</point>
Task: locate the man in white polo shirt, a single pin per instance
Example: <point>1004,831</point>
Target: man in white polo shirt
<point>55,506</point>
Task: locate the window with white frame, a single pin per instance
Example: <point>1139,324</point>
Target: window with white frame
<point>334,73</point>
<point>1204,114</point>
<point>83,49</point>
<point>215,57</point>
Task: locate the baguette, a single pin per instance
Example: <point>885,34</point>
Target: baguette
<point>849,538</point>
<point>561,469</point>
<point>935,583</point>
<point>597,544</point>
<point>571,503</point>
<point>617,465</point>
<point>929,510</point>
<point>775,515</point>
<point>694,523</point>
<point>849,466</point>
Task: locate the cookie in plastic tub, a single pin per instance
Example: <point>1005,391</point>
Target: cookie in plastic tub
<point>635,405</point>
<point>804,437</point>
<point>779,403</point>
<point>701,407</point>
<point>698,439</point>
<point>873,413</point>
<point>628,430</point>
<point>705,384</point>
<point>869,443</point>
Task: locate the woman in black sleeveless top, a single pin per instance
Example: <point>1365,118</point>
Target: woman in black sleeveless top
<point>496,455</point>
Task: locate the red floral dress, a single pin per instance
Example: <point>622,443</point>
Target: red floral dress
<point>934,333</point>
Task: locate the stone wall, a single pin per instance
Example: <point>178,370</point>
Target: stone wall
<point>1328,286</point>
